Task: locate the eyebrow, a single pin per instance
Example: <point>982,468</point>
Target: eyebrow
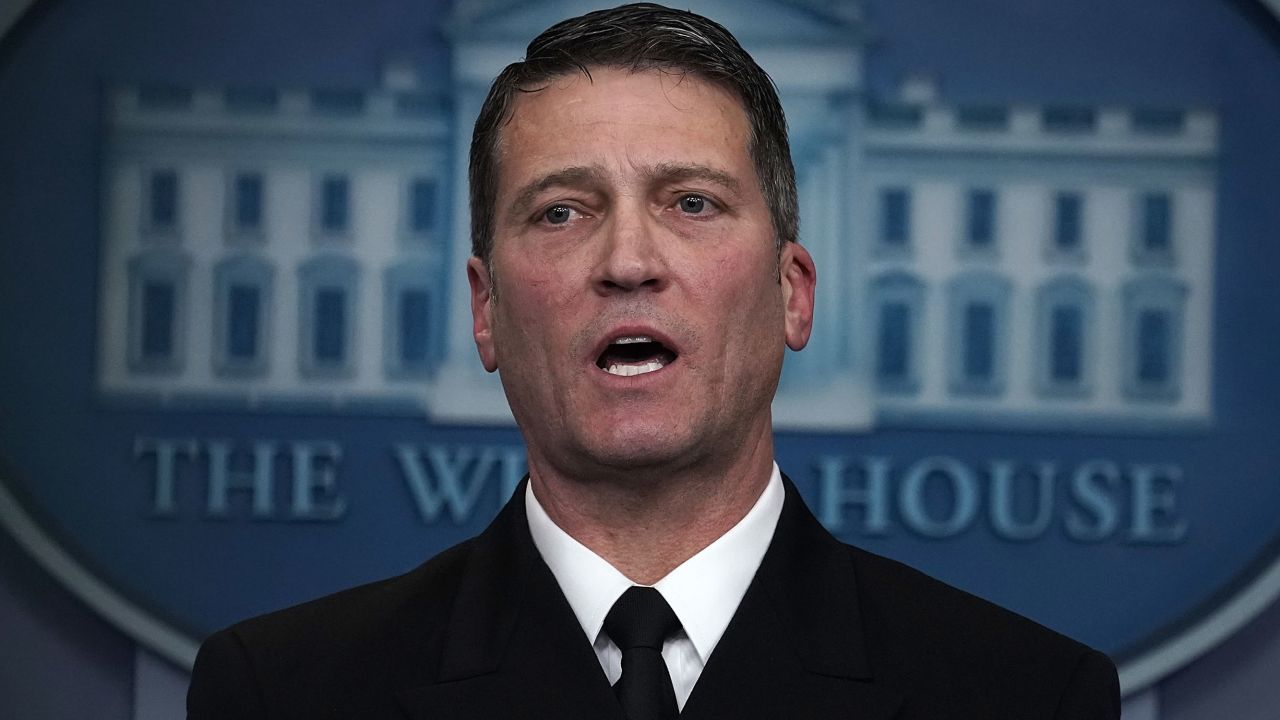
<point>577,176</point>
<point>674,172</point>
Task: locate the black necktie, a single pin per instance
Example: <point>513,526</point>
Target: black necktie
<point>638,623</point>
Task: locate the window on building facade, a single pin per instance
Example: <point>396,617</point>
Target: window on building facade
<point>334,216</point>
<point>328,290</point>
<point>247,207</point>
<point>162,202</point>
<point>897,299</point>
<point>244,322</point>
<point>894,115</point>
<point>1069,119</point>
<point>1159,121</point>
<point>1064,321</point>
<point>414,317</point>
<point>1154,323</point>
<point>895,219</point>
<point>251,100</point>
<point>978,309</point>
<point>980,220</point>
<point>159,306</point>
<point>164,97</point>
<point>337,102</point>
<point>409,303</point>
<point>982,117</point>
<point>893,362</point>
<point>1068,224</point>
<point>329,339</point>
<point>1155,347</point>
<point>1066,344</point>
<point>157,311</point>
<point>1154,241</point>
<point>979,342</point>
<point>242,297</point>
<point>421,207</point>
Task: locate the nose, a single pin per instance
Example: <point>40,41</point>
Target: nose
<point>632,256</point>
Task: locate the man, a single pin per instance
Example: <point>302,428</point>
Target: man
<point>635,279</point>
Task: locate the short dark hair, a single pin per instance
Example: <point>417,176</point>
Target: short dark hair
<point>639,37</point>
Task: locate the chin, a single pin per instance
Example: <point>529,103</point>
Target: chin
<point>635,448</point>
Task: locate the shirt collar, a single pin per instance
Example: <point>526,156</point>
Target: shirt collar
<point>703,591</point>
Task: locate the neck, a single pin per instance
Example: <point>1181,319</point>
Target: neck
<point>646,525</point>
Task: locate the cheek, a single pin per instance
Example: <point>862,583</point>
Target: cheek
<point>760,319</point>
<point>531,319</point>
<point>747,285</point>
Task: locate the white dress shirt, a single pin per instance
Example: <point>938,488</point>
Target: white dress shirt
<point>704,591</point>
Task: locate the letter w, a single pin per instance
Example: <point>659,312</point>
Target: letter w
<point>458,480</point>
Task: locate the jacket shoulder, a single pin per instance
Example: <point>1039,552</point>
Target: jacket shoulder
<point>366,611</point>
<point>303,659</point>
<point>934,641</point>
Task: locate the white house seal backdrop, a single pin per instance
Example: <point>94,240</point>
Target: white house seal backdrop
<point>238,370</point>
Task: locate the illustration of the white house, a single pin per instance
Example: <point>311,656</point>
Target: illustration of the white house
<point>1008,265</point>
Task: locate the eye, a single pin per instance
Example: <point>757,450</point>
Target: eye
<point>693,204</point>
<point>558,214</point>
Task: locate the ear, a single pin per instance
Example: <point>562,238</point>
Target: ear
<point>482,312</point>
<point>799,277</point>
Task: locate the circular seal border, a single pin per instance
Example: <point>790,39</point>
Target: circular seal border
<point>1188,641</point>
<point>124,614</point>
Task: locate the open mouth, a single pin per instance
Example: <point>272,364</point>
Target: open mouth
<point>634,355</point>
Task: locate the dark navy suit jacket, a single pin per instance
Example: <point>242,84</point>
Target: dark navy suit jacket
<point>825,630</point>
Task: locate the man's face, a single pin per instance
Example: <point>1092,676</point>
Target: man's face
<point>638,308</point>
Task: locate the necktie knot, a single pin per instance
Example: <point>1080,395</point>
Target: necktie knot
<point>641,618</point>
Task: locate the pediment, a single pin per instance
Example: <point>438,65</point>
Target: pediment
<point>753,22</point>
<point>803,44</point>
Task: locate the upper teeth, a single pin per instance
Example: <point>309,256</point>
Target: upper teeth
<point>632,339</point>
<point>628,370</point>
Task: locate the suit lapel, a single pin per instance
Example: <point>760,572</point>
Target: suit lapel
<point>512,647</point>
<point>795,647</point>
